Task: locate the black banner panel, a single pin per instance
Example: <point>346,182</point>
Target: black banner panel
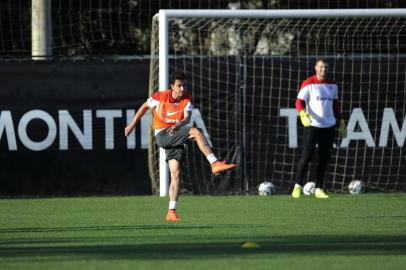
<point>62,128</point>
<point>62,125</point>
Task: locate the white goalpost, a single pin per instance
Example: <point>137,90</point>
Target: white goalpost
<point>245,67</point>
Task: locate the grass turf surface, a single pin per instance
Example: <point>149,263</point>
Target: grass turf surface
<point>344,232</point>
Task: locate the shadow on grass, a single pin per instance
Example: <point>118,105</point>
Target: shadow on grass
<point>311,245</point>
<point>129,228</point>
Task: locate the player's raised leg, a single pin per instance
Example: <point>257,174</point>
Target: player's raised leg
<point>216,166</point>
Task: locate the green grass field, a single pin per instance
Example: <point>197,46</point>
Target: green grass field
<point>344,232</point>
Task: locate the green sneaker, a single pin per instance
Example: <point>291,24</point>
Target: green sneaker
<point>320,194</point>
<point>297,191</point>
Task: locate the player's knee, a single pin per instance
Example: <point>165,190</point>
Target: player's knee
<point>175,176</point>
<point>175,180</point>
<point>194,132</point>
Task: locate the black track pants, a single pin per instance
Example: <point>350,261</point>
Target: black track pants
<point>323,138</point>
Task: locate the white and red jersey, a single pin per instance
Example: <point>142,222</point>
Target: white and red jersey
<point>167,111</point>
<point>321,99</point>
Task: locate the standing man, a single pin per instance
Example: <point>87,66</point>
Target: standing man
<point>172,111</point>
<point>319,111</point>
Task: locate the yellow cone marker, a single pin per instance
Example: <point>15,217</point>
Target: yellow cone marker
<point>250,244</point>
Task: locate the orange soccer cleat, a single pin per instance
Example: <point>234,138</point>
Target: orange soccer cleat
<point>221,166</point>
<point>172,216</point>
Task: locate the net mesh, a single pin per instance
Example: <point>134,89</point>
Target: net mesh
<point>245,75</point>
<point>112,28</point>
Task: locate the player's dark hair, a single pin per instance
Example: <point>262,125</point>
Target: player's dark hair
<point>323,60</point>
<point>177,75</point>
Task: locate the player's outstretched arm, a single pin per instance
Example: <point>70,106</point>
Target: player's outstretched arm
<point>140,113</point>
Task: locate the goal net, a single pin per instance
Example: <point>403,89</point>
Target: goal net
<point>245,74</point>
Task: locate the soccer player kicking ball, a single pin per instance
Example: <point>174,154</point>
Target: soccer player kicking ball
<point>172,111</point>
<point>319,110</point>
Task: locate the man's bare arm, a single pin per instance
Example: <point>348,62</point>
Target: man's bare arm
<point>184,122</point>
<point>140,113</point>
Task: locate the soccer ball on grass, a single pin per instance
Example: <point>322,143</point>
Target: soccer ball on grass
<point>356,187</point>
<point>266,189</point>
<point>309,188</point>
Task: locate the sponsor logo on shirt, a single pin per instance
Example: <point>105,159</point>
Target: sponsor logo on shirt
<point>172,113</point>
<point>319,98</point>
<point>167,120</point>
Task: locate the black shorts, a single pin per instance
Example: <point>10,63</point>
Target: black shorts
<point>174,145</point>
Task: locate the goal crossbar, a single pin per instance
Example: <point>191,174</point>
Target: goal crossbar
<point>282,13</point>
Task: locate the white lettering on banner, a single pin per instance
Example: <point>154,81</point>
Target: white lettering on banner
<point>66,122</point>
<point>292,125</point>
<point>84,138</point>
<point>22,130</point>
<point>389,119</point>
<point>109,116</point>
<point>6,123</point>
<point>357,116</point>
<point>131,137</point>
<point>144,131</point>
